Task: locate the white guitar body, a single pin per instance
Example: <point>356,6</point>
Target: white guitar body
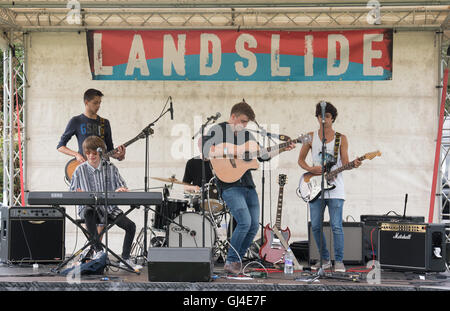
<point>310,186</point>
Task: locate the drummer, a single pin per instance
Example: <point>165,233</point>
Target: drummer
<point>193,173</point>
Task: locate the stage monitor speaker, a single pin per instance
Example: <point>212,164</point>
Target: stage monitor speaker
<point>32,234</point>
<point>412,246</point>
<point>180,264</point>
<point>370,231</point>
<point>353,244</point>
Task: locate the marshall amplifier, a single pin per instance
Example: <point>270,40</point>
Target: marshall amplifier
<point>370,230</point>
<point>32,234</point>
<point>412,246</point>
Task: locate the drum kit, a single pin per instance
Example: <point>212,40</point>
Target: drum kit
<point>185,221</point>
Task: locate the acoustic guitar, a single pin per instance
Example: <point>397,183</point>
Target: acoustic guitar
<point>72,165</point>
<point>231,161</point>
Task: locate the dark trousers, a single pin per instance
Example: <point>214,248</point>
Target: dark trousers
<point>92,219</point>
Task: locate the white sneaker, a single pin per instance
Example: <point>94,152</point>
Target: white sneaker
<point>131,264</point>
<point>325,265</point>
<point>339,266</point>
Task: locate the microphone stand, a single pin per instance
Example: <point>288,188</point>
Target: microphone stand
<point>202,202</point>
<point>105,180</point>
<point>147,131</point>
<point>263,176</point>
<point>105,163</point>
<point>320,272</point>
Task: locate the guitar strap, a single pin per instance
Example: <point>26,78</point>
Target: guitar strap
<point>337,142</point>
<point>102,128</point>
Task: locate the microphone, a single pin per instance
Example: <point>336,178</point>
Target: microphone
<point>404,210</point>
<point>323,104</point>
<point>171,108</point>
<point>102,154</point>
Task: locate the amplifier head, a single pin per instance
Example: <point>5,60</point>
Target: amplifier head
<point>406,227</point>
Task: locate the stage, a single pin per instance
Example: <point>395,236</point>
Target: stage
<point>15,277</point>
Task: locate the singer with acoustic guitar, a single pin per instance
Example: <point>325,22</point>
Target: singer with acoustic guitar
<point>238,190</point>
<point>336,156</point>
<point>84,125</point>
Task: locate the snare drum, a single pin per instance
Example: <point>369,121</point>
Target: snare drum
<point>213,202</point>
<point>193,200</point>
<point>168,209</point>
<point>192,234</point>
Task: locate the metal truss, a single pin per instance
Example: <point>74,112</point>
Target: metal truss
<point>444,179</point>
<point>53,18</point>
<point>14,117</point>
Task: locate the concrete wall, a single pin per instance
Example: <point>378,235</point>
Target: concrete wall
<point>398,117</point>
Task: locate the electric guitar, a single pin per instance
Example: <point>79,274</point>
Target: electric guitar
<point>231,161</point>
<point>73,163</point>
<point>310,185</point>
<point>275,239</point>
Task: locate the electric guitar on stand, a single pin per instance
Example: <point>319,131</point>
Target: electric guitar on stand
<point>275,239</point>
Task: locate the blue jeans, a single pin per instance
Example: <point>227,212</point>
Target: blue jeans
<point>335,207</point>
<point>244,206</point>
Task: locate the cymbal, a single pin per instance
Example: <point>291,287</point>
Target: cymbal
<point>171,180</point>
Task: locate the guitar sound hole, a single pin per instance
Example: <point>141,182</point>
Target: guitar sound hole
<point>247,156</point>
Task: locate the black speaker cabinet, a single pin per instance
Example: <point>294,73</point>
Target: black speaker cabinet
<point>180,264</point>
<point>412,246</point>
<point>32,234</point>
<point>353,244</point>
<point>370,231</point>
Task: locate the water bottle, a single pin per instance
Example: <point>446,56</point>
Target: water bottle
<point>289,262</point>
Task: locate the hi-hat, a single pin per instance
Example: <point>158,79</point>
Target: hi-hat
<point>171,180</point>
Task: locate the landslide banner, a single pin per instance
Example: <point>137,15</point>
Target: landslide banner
<point>230,55</point>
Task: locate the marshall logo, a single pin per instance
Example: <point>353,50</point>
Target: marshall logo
<point>398,236</point>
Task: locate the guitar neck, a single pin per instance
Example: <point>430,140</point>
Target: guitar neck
<point>348,166</point>
<point>110,153</point>
<point>280,147</point>
<point>279,207</point>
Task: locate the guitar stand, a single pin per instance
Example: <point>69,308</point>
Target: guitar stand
<point>91,242</point>
<point>221,248</point>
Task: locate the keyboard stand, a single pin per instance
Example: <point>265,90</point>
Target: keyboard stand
<point>91,242</point>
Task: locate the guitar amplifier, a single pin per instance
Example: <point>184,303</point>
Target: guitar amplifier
<point>32,234</point>
<point>412,246</point>
<point>370,231</point>
<point>353,243</point>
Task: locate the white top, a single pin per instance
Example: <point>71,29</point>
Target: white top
<point>316,149</point>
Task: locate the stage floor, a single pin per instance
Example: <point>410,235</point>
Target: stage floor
<point>22,277</point>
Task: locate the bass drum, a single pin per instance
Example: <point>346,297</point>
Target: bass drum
<point>180,237</point>
<point>168,210</point>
